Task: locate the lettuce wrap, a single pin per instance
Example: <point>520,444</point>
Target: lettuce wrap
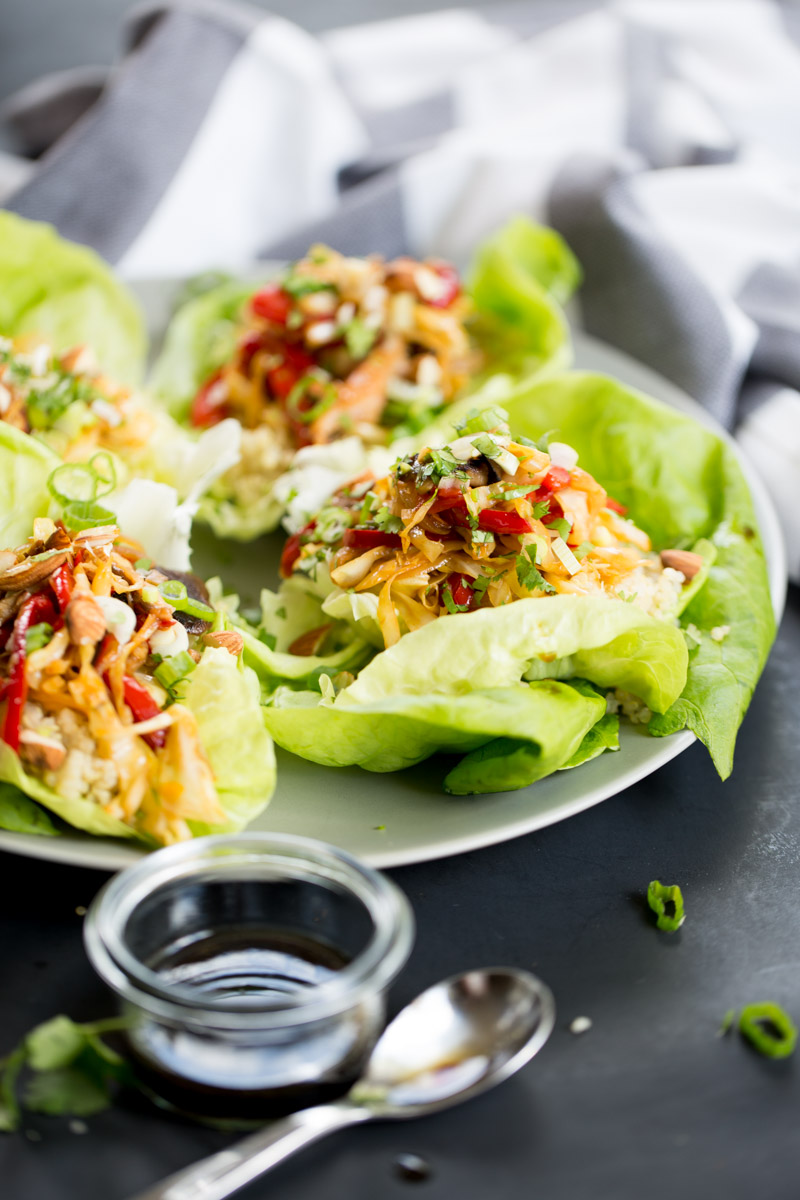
<point>519,280</point>
<point>64,293</point>
<point>224,698</point>
<point>683,486</point>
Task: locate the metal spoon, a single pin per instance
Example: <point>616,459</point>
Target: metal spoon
<point>456,1040</point>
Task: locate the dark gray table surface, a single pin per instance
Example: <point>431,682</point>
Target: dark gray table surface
<point>649,1103</point>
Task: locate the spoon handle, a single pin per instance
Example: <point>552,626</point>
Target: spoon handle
<point>222,1174</point>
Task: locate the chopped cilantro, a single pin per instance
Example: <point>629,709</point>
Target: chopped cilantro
<point>562,527</point>
<point>482,536</point>
<point>529,575</point>
<point>582,550</point>
<point>449,602</point>
<point>480,585</point>
<point>487,446</point>
<point>540,509</point>
<point>477,421</point>
<point>439,464</point>
<point>143,564</point>
<point>387,521</point>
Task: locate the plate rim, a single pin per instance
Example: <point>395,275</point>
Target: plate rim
<point>84,850</point>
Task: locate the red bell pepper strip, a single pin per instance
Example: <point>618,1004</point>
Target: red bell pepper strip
<point>461,590</point>
<point>248,347</point>
<point>272,303</point>
<point>38,608</point>
<point>615,506</point>
<point>282,378</point>
<point>204,411</point>
<point>495,520</point>
<point>143,707</point>
<point>291,551</point>
<point>368,539</point>
<point>62,583</point>
<point>556,477</point>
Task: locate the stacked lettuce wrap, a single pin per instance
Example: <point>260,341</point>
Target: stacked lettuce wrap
<point>533,685</point>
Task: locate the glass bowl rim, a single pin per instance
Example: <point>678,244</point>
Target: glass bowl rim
<point>368,973</point>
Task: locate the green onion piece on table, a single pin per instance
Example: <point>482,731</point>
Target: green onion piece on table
<point>769,1029</point>
<point>667,903</point>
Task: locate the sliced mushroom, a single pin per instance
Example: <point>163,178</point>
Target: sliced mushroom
<point>684,561</point>
<point>31,571</point>
<point>44,753</point>
<point>228,639</point>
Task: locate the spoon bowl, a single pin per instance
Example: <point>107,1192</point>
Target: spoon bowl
<point>456,1040</point>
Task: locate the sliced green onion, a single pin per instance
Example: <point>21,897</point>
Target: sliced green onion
<point>85,514</point>
<point>661,898</point>
<point>306,416</point>
<point>769,1029</point>
<point>102,464</point>
<point>174,592</point>
<point>38,636</point>
<point>72,482</point>
<point>172,670</point>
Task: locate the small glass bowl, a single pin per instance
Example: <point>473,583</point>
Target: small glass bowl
<point>252,969</point>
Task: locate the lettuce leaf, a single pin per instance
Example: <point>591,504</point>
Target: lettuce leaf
<point>19,814</point>
<point>455,685</point>
<point>66,294</point>
<point>597,638</point>
<point>224,697</point>
<point>25,465</point>
<point>398,731</point>
<point>681,483</point>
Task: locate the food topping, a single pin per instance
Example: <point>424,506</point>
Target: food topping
<point>345,345</point>
<point>66,400</point>
<point>481,522</point>
<point>92,649</point>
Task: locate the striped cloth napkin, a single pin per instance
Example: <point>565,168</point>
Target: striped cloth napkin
<point>658,136</point>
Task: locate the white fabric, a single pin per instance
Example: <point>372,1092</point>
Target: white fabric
<point>265,159</point>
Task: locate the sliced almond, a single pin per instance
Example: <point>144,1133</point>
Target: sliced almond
<point>684,561</point>
<point>227,639</point>
<point>85,619</point>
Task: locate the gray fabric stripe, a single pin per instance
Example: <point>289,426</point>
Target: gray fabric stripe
<point>370,220</point>
<point>771,298</point>
<point>38,115</point>
<point>424,120</point>
<point>104,179</point>
<point>638,294</point>
<point>143,18</point>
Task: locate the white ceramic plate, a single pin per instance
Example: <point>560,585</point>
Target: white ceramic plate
<point>406,817</point>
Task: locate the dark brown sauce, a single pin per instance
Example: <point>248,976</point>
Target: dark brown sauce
<point>259,1075</point>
